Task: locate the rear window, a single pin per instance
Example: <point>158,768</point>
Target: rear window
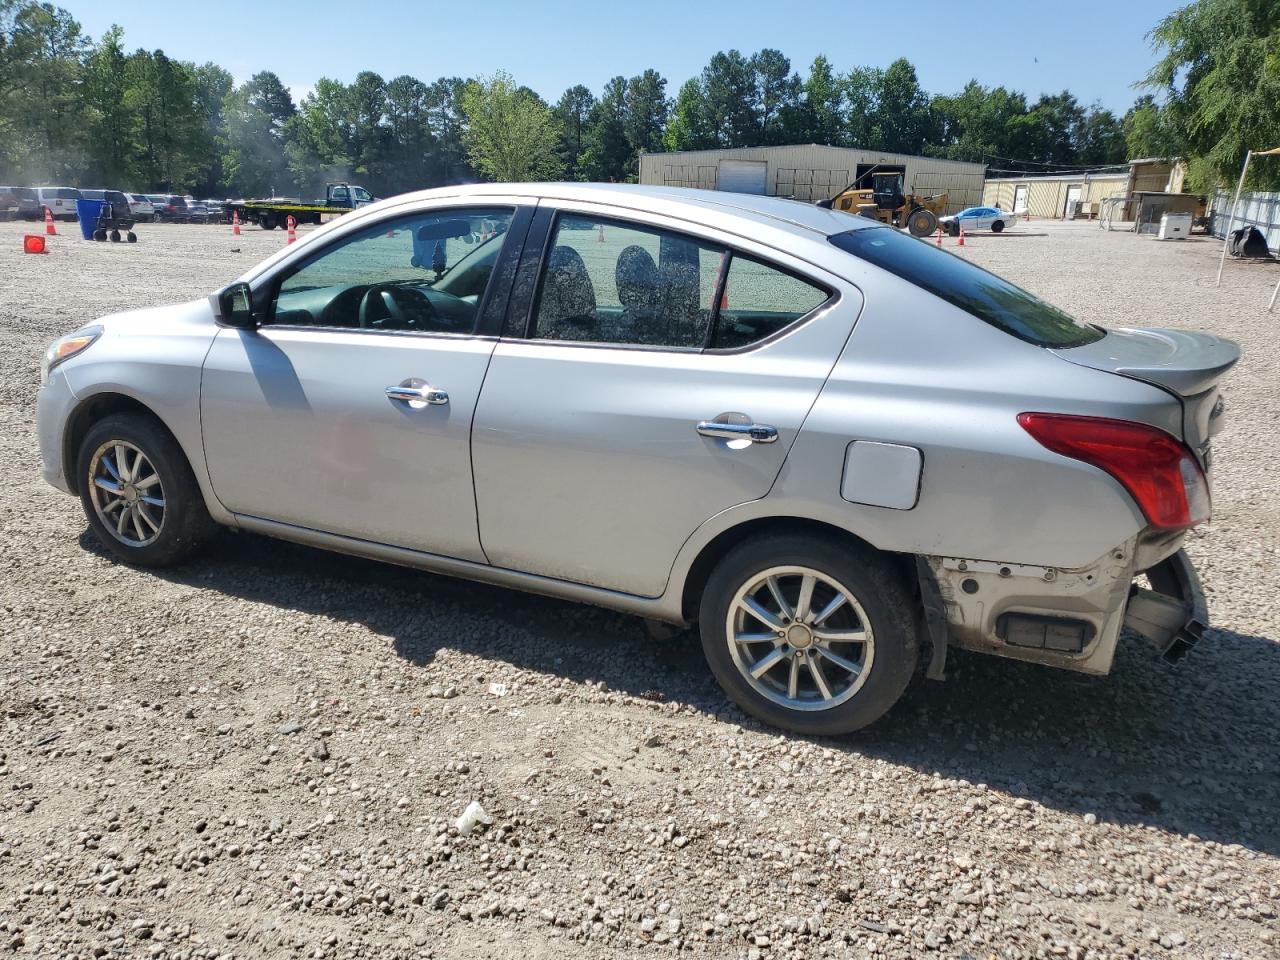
<point>66,193</point>
<point>972,289</point>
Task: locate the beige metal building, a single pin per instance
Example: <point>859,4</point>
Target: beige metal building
<point>810,172</point>
<point>1081,195</point>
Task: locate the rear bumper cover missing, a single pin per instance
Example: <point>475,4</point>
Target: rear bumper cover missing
<point>1172,616</point>
<point>1095,602</point>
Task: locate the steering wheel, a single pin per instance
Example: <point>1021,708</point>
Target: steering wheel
<point>420,316</point>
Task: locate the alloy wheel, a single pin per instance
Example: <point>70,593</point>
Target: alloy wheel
<point>800,638</point>
<point>126,492</point>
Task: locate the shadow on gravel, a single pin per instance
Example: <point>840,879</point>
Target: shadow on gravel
<point>1187,749</point>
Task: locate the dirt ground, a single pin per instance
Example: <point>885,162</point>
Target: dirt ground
<point>262,753</point>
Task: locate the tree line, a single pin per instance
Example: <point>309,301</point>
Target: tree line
<point>79,111</point>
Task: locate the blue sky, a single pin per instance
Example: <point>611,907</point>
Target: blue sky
<point>1095,49</point>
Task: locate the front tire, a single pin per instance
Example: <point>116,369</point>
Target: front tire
<point>997,227</point>
<point>921,222</point>
<point>138,492</point>
<point>808,634</point>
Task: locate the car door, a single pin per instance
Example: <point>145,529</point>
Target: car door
<point>349,409</point>
<point>652,377</point>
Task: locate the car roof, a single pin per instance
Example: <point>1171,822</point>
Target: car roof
<point>793,214</point>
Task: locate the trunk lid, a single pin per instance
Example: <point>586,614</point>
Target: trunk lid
<point>1186,363</point>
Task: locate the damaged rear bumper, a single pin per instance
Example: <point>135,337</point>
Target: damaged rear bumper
<point>1172,616</point>
<point>1067,618</point>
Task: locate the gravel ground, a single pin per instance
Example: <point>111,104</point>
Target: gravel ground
<point>262,753</point>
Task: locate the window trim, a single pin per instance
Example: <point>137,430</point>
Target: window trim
<point>541,244</point>
<point>267,295</point>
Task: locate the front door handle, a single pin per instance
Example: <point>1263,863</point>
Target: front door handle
<point>755,432</point>
<point>423,394</point>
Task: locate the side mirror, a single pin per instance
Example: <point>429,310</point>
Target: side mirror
<point>235,306</point>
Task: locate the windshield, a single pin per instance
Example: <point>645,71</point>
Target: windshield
<point>972,289</point>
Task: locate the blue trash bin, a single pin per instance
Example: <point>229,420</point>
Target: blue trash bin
<point>89,211</point>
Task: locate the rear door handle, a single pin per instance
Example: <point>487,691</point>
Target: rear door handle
<point>423,394</point>
<point>755,432</point>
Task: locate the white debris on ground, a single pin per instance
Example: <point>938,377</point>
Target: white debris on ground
<point>264,752</point>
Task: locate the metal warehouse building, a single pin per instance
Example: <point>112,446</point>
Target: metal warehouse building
<point>810,172</point>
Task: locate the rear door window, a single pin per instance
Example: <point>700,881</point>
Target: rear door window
<point>612,282</point>
<point>988,297</point>
<point>759,301</point>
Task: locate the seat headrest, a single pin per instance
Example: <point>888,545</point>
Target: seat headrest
<point>636,276</point>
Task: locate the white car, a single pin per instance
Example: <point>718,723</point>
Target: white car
<point>141,208</point>
<point>978,218</point>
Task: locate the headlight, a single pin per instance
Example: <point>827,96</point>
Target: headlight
<point>66,348</point>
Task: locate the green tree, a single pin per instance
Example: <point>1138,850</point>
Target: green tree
<point>732,100</point>
<point>1100,138</point>
<point>573,111</point>
<point>823,105</point>
<point>46,107</point>
<point>690,125</point>
<point>778,92</point>
<point>509,135</point>
<point>607,156</point>
<point>647,110</point>
<point>860,90</point>
<point>1146,130</point>
<point>172,140</point>
<point>447,123</point>
<point>112,124</point>
<point>901,112</point>
<point>256,116</point>
<point>1220,74</point>
<point>410,146</point>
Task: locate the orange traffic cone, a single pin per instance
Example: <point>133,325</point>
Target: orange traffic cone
<point>939,237</point>
<point>599,233</point>
<point>48,223</point>
<point>961,243</point>
<point>33,243</point>
<point>235,223</point>
<point>293,229</point>
<point>1026,215</point>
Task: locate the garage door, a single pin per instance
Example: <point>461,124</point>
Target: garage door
<point>742,176</point>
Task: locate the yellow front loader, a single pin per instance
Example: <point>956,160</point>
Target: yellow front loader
<point>885,201</point>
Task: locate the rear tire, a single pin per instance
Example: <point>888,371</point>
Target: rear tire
<point>797,670</point>
<point>921,222</point>
<point>138,492</point>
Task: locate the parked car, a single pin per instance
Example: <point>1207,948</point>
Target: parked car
<point>197,212</point>
<point>8,204</point>
<point>144,211</point>
<point>213,208</point>
<point>61,201</point>
<point>28,203</point>
<point>977,218</point>
<point>829,444</point>
<point>170,209</point>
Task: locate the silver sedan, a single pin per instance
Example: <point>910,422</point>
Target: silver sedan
<point>836,449</point>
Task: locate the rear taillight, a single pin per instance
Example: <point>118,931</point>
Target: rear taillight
<point>1159,472</point>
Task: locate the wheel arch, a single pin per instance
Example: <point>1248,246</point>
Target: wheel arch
<point>714,551</point>
<point>90,411</point>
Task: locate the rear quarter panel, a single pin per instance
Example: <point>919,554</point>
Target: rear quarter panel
<point>919,372</point>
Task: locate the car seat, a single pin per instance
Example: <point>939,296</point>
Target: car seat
<point>567,309</point>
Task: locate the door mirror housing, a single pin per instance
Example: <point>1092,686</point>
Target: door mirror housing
<point>235,306</point>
